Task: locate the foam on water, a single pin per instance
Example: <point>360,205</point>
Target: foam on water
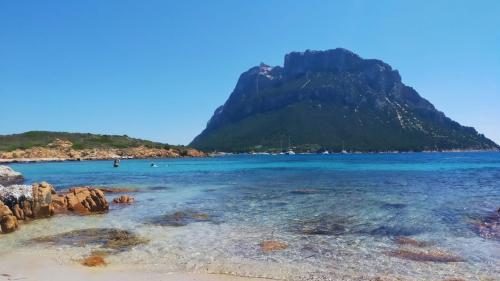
<point>343,227</point>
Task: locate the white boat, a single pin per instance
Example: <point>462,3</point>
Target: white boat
<point>325,152</point>
<point>290,152</point>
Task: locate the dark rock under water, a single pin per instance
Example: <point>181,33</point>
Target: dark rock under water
<point>114,240</point>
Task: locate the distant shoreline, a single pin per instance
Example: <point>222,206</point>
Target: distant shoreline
<point>221,154</point>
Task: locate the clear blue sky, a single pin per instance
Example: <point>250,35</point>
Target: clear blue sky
<point>158,69</point>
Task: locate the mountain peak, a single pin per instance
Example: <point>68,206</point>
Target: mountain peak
<point>322,99</point>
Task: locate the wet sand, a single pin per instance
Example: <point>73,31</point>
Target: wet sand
<point>22,266</point>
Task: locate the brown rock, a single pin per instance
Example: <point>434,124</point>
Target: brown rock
<point>401,240</point>
<point>18,212</point>
<point>86,200</point>
<point>8,224</point>
<point>27,209</point>
<point>94,260</point>
<point>271,245</point>
<point>4,210</point>
<point>59,204</point>
<point>124,199</point>
<point>42,200</point>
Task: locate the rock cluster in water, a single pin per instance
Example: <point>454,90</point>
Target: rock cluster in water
<point>489,227</point>
<point>8,176</point>
<point>40,200</point>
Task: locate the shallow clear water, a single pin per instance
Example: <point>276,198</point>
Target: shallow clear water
<point>343,230</point>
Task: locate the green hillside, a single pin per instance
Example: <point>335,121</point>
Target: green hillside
<point>79,140</point>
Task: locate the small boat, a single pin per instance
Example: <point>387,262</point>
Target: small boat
<point>116,163</point>
<point>290,152</point>
<point>325,152</point>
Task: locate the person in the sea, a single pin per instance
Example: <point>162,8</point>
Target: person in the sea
<point>153,165</point>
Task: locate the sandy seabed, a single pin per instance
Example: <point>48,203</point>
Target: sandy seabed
<point>17,266</point>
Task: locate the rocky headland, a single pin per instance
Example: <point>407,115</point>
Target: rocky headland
<point>64,150</point>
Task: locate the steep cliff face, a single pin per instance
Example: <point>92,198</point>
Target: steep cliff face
<point>327,100</point>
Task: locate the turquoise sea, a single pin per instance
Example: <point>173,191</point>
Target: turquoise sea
<point>340,215</point>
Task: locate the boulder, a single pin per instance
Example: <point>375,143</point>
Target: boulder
<point>59,204</point>
<point>86,200</point>
<point>42,200</point>
<point>8,176</point>
<point>8,222</point>
<point>124,199</point>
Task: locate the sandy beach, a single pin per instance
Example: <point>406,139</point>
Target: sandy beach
<point>23,266</point>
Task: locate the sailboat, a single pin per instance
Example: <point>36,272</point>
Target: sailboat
<point>290,150</point>
<point>343,149</point>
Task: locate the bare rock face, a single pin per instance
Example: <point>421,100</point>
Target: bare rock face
<point>8,222</point>
<point>8,176</point>
<point>42,200</point>
<point>86,200</point>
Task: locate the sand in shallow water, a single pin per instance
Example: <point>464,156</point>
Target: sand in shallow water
<point>38,268</point>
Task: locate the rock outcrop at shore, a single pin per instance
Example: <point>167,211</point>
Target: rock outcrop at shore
<point>8,176</point>
<point>63,150</point>
<point>86,200</point>
<point>24,202</point>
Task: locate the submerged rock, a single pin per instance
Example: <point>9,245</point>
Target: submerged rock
<point>124,199</point>
<point>402,240</point>
<point>425,256</point>
<point>489,227</point>
<point>180,218</point>
<point>272,245</point>
<point>93,261</point>
<point>8,176</point>
<point>117,189</point>
<point>396,230</point>
<point>114,240</point>
<point>326,225</point>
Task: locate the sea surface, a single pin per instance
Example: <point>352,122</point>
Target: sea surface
<point>340,215</point>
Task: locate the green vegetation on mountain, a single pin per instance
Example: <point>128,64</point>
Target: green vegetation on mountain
<point>79,140</point>
<point>330,100</point>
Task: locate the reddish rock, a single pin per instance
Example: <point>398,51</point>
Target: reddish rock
<point>95,260</point>
<point>124,199</point>
<point>59,204</point>
<point>271,245</point>
<point>86,200</point>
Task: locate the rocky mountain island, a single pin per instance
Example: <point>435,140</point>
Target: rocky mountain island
<point>330,100</point>
<point>50,146</point>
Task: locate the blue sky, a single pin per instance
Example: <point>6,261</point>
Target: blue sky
<point>158,69</point>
